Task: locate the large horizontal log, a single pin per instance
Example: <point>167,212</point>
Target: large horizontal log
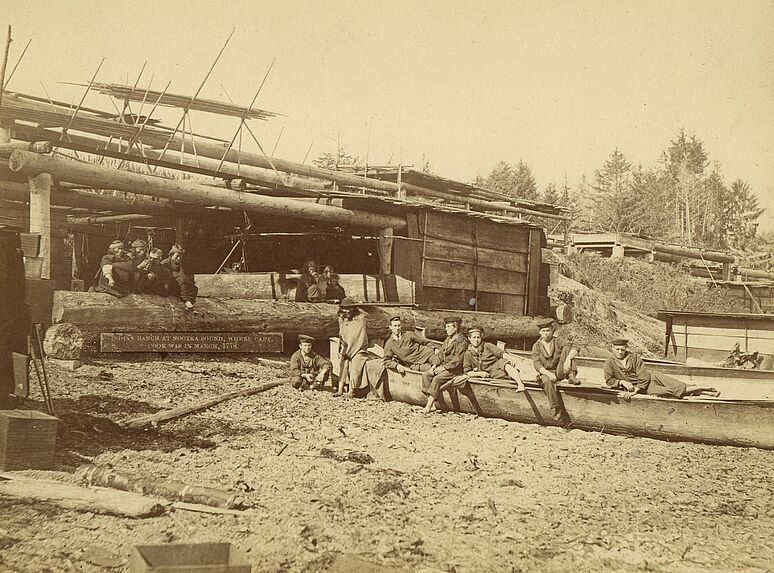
<point>125,504</point>
<point>280,286</point>
<point>210,155</point>
<point>214,151</point>
<point>755,274</point>
<point>94,313</point>
<point>693,253</point>
<point>108,178</point>
<point>36,146</point>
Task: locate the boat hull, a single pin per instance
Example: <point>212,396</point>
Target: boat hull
<point>725,422</point>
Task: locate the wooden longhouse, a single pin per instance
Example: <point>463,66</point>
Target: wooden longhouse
<point>465,248</point>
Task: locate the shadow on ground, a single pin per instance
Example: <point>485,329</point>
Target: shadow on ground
<point>87,429</point>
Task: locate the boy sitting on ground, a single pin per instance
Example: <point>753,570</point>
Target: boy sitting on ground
<point>307,368</point>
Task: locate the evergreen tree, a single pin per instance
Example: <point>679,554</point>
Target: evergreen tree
<point>516,181</point>
<point>551,195</point>
<point>611,194</point>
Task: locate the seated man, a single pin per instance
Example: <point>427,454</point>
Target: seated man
<point>449,362</point>
<point>115,272</point>
<point>316,290</point>
<point>182,284</point>
<point>307,368</point>
<point>553,361</point>
<point>487,360</point>
<point>334,291</point>
<point>353,347</point>
<point>407,350</point>
<point>154,278</point>
<point>626,371</point>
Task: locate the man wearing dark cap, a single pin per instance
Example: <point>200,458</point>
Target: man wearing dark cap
<point>307,368</point>
<point>553,361</point>
<point>353,347</point>
<point>487,360</point>
<point>407,350</point>
<point>626,371</point>
<point>450,362</point>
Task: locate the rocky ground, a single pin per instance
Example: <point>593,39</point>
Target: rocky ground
<point>445,492</point>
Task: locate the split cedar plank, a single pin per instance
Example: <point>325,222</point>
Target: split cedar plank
<point>77,498</point>
<point>458,299</point>
<point>536,242</point>
<point>167,415</point>
<point>451,228</point>
<point>493,258</point>
<point>443,274</point>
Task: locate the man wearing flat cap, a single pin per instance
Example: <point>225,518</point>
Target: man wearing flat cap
<point>353,347</point>
<point>626,371</point>
<point>487,360</point>
<point>307,368</point>
<point>407,350</point>
<point>449,361</point>
<point>553,361</point>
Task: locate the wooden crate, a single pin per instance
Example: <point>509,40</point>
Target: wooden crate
<point>27,440</point>
<point>188,558</point>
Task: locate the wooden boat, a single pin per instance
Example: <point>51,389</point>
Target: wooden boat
<point>733,383</point>
<point>733,422</point>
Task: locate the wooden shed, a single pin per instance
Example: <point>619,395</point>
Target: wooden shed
<point>473,263</point>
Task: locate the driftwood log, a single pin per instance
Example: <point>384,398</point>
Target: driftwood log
<point>165,415</point>
<point>78,498</point>
<point>106,476</point>
<point>94,313</point>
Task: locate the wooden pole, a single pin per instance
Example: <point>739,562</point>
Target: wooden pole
<point>166,415</point>
<point>36,146</point>
<point>106,178</point>
<point>5,132</point>
<point>106,219</point>
<point>213,151</point>
<point>385,251</point>
<point>40,217</point>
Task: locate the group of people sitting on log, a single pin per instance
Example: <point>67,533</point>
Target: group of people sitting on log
<point>315,285</point>
<point>143,271</point>
<point>460,358</point>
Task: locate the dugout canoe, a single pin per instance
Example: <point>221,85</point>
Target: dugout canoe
<point>746,423</point>
<point>733,383</point>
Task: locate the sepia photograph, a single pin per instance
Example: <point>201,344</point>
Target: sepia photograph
<point>344,286</point>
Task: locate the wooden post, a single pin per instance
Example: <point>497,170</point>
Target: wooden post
<point>40,217</point>
<point>385,250</point>
<point>180,231</point>
<point>5,130</point>
<point>618,252</point>
<point>726,271</point>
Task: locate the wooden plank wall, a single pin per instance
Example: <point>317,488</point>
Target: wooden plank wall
<point>712,339</point>
<point>763,295</point>
<point>455,259</point>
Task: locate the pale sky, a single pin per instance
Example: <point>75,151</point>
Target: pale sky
<point>467,84</point>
